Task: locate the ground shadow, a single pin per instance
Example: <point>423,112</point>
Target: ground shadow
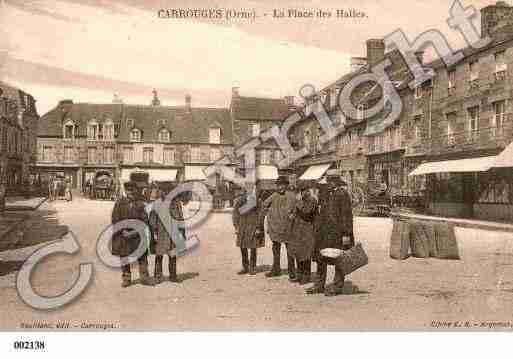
<point>8,267</point>
<point>43,226</point>
<point>182,277</point>
<point>263,268</point>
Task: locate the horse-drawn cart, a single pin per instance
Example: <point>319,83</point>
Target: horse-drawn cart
<point>103,186</point>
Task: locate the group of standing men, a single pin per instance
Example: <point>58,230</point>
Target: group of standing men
<point>305,224</point>
<point>160,241</point>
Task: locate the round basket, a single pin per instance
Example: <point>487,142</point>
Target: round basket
<point>331,255</point>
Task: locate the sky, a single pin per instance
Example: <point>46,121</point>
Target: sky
<point>87,50</point>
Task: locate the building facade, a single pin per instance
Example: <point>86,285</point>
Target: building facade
<point>81,140</point>
<point>252,116</point>
<point>18,135</point>
<point>463,113</point>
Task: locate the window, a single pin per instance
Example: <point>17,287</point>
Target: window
<point>47,155</point>
<point>418,91</point>
<point>451,75</point>
<point>130,123</point>
<point>500,66</point>
<point>68,154</point>
<point>148,154</point>
<point>473,122</point>
<point>417,127</point>
<point>499,109</point>
<point>255,129</point>
<point>135,135</point>
<point>69,130</point>
<point>451,124</point>
<point>93,131</point>
<point>278,156</point>
<point>195,154</point>
<point>169,155</point>
<point>215,135</point>
<point>306,140</point>
<point>164,135</point>
<point>264,157</point>
<point>108,131</point>
<point>109,155</point>
<point>215,154</point>
<point>128,155</point>
<point>91,155</point>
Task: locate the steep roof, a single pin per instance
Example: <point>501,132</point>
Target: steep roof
<point>185,127</point>
<point>259,108</point>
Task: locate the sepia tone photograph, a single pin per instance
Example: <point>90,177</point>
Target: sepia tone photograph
<point>301,166</point>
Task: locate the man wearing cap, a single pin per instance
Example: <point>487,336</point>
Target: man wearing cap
<point>279,208</point>
<point>249,229</point>
<point>334,222</point>
<point>125,242</point>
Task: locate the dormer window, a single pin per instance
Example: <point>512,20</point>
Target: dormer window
<point>135,135</point>
<point>164,135</point>
<point>92,130</point>
<point>108,130</point>
<point>69,130</point>
<point>215,135</point>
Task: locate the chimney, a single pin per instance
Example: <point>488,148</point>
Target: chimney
<point>155,101</point>
<point>116,99</point>
<point>493,15</point>
<point>375,51</point>
<point>188,103</point>
<point>357,63</point>
<point>235,92</point>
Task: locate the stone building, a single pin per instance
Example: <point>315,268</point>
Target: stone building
<point>452,131</point>
<point>80,140</point>
<point>470,124</point>
<point>250,117</point>
<point>18,135</point>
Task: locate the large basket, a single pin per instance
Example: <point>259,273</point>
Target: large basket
<point>349,260</point>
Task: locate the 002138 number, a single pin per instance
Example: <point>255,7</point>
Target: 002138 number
<point>29,345</point>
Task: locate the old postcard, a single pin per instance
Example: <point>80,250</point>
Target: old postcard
<point>256,166</point>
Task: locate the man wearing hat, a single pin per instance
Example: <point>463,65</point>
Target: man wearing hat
<point>249,229</point>
<point>334,222</point>
<point>125,242</point>
<point>280,207</point>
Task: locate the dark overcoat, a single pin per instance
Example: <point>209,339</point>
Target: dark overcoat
<point>250,225</point>
<point>302,241</point>
<point>335,219</point>
<point>125,208</point>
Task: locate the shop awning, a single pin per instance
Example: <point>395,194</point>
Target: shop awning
<point>195,173</point>
<point>266,172</point>
<point>314,172</point>
<point>505,158</point>
<point>156,175</point>
<point>481,164</point>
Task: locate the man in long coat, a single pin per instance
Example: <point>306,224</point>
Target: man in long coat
<point>162,242</point>
<point>125,242</point>
<point>302,241</point>
<point>334,222</point>
<point>279,208</point>
<point>249,229</point>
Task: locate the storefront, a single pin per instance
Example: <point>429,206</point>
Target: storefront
<point>480,187</point>
<point>389,168</point>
